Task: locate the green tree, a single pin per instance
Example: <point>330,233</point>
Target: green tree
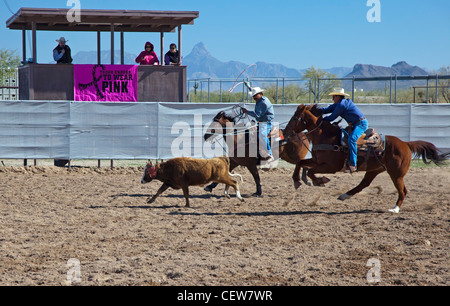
<point>9,60</point>
<point>311,76</point>
<point>293,93</point>
<point>444,85</point>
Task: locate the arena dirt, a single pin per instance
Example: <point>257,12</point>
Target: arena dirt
<point>100,218</point>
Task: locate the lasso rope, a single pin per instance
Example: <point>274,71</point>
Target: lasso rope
<point>237,79</point>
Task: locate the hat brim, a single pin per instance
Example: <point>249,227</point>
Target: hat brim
<point>339,94</point>
<point>254,94</point>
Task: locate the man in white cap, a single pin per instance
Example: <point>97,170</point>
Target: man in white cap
<point>62,53</point>
<point>346,109</point>
<point>264,114</point>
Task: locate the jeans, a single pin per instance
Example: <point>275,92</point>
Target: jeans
<point>358,130</point>
<point>264,130</point>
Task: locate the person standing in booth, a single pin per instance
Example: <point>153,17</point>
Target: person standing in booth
<point>172,56</point>
<point>148,57</point>
<point>62,53</point>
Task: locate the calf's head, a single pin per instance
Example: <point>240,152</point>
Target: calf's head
<point>150,172</point>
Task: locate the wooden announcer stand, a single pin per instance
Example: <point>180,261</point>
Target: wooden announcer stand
<point>55,82</point>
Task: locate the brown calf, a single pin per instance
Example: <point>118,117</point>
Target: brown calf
<point>182,172</point>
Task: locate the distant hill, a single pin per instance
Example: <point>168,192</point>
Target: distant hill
<point>400,68</point>
<point>202,64</point>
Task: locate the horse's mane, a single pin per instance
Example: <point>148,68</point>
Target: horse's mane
<point>223,114</point>
<point>328,129</point>
<point>218,116</point>
<point>315,110</point>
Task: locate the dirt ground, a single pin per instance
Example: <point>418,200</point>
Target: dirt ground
<point>100,217</point>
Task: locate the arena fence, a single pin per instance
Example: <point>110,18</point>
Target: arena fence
<point>391,89</point>
<point>126,131</point>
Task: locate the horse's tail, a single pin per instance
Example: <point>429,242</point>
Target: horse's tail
<point>427,151</point>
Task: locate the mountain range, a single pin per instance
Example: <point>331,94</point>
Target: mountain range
<point>202,64</point>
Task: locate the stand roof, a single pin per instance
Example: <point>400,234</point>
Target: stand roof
<point>52,19</point>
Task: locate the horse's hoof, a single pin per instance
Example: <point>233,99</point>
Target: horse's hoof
<point>318,184</point>
<point>325,180</point>
<point>344,197</point>
<point>297,185</point>
<point>257,195</point>
<point>395,210</point>
<point>307,183</point>
<point>208,189</point>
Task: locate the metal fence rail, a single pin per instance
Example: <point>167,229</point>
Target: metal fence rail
<point>215,89</point>
<point>393,82</point>
<point>207,86</point>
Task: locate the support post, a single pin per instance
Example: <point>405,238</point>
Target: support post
<point>33,35</point>
<point>161,58</point>
<point>180,48</point>
<point>353,89</point>
<point>24,45</point>
<point>437,82</point>
<point>112,43</point>
<point>122,51</point>
<point>99,52</point>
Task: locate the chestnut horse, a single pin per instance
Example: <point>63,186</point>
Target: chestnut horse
<point>395,159</point>
<point>293,151</point>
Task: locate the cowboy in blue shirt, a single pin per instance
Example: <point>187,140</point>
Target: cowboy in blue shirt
<point>264,114</point>
<point>346,109</point>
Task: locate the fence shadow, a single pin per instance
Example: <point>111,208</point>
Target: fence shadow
<point>174,196</point>
<point>275,213</point>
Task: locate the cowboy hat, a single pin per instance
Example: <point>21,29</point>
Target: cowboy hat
<point>339,92</point>
<point>62,39</point>
<point>255,90</point>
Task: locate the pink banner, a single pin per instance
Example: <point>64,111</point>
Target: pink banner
<point>105,83</point>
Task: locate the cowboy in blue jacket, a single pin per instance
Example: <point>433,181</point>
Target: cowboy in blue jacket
<point>264,114</point>
<point>346,109</point>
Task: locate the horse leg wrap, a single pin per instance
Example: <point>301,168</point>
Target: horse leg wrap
<point>395,210</point>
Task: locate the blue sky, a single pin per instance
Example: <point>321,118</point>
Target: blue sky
<point>295,33</point>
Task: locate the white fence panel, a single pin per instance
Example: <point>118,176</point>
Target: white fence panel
<point>86,130</point>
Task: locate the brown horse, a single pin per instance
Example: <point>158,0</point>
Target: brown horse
<point>293,151</point>
<point>395,159</point>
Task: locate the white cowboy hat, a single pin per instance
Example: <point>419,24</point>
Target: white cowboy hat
<point>62,39</point>
<point>339,92</point>
<point>255,90</point>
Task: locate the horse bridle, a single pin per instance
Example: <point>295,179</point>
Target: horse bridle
<point>298,118</point>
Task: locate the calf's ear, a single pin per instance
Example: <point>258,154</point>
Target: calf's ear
<point>152,172</point>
